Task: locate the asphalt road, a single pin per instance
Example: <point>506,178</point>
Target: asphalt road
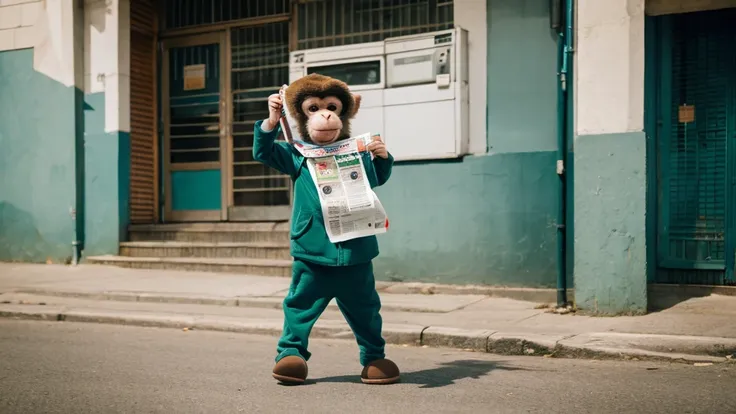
<point>59,367</point>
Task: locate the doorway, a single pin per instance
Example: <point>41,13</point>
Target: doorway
<point>695,152</point>
<point>195,137</point>
<point>215,87</point>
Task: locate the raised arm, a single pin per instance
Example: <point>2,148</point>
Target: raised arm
<point>276,155</point>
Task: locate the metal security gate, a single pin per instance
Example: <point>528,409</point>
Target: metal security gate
<point>696,157</point>
<point>194,113</point>
<point>143,134</point>
<point>259,65</point>
<point>254,51</point>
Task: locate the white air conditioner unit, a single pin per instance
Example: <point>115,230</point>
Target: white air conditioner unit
<point>414,90</point>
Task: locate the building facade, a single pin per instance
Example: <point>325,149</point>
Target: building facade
<point>585,127</point>
<point>653,170</point>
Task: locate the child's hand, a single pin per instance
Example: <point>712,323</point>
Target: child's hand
<point>274,111</point>
<point>377,147</point>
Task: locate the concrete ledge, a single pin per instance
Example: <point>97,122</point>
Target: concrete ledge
<point>403,334</point>
<point>592,346</point>
<point>662,296</point>
<point>31,312</point>
<point>260,267</point>
<point>508,343</point>
<point>128,318</point>
<point>475,340</point>
<point>522,294</point>
<point>525,294</point>
<point>660,344</point>
<point>255,326</point>
<point>393,302</point>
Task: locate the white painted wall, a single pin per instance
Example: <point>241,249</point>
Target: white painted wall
<point>471,15</point>
<point>17,18</point>
<point>55,37</point>
<point>45,26</point>
<point>51,27</point>
<point>609,67</point>
<point>107,58</point>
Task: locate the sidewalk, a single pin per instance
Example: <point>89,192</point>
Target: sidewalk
<point>702,329</point>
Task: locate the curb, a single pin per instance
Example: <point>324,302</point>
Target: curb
<point>263,302</point>
<point>425,289</point>
<point>585,346</point>
<point>539,295</point>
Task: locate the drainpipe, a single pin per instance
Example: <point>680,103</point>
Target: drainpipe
<point>77,212</point>
<point>76,243</point>
<point>564,51</point>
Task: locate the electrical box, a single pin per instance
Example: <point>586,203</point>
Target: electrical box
<point>414,90</point>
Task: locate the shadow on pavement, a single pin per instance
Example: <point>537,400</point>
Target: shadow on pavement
<point>445,374</point>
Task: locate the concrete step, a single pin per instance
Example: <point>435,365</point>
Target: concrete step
<point>212,232</point>
<point>161,249</point>
<point>258,267</point>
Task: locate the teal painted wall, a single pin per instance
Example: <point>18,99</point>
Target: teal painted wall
<point>37,162</point>
<point>56,159</point>
<point>107,181</point>
<point>196,190</point>
<point>488,219</point>
<point>522,77</point>
<point>610,212</point>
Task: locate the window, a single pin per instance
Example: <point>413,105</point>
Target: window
<point>354,74</point>
<point>260,65</point>
<point>324,23</point>
<point>187,13</point>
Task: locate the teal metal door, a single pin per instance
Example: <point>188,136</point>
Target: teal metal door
<point>194,133</point>
<point>696,156</point>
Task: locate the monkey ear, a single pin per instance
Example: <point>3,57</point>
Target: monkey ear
<point>356,105</point>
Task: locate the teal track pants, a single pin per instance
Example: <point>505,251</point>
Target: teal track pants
<point>312,288</point>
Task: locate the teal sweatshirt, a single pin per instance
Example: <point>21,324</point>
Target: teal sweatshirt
<point>309,239</point>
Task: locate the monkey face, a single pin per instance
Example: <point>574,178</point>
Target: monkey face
<point>323,118</point>
<point>322,107</point>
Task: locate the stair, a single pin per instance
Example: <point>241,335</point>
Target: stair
<point>255,250</point>
<point>211,232</point>
<point>248,248</point>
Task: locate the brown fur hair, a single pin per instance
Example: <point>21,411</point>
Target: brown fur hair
<point>321,86</point>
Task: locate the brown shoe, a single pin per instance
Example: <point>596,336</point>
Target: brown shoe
<point>291,370</point>
<point>381,371</point>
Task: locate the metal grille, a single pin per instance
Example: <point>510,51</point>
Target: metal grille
<point>691,276</point>
<point>260,65</point>
<point>696,169</point>
<point>194,114</point>
<point>323,23</point>
<point>187,13</point>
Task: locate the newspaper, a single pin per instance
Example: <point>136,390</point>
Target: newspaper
<point>349,206</point>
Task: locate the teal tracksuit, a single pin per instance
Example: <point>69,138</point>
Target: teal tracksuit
<point>323,270</point>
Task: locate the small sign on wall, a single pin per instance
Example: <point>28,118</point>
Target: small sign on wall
<point>194,77</point>
<point>686,114</point>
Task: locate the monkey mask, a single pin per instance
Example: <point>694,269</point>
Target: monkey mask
<point>322,107</point>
